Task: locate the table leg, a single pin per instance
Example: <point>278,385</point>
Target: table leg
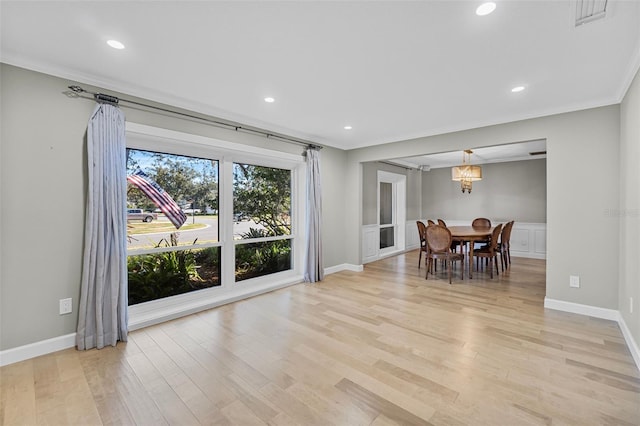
<point>461,244</point>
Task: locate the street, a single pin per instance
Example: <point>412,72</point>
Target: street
<point>208,234</point>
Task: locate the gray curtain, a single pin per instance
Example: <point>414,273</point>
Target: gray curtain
<point>102,317</point>
<point>313,268</point>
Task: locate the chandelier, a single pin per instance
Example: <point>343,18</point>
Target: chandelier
<point>466,173</point>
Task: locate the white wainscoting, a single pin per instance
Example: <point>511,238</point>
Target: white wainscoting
<point>370,243</point>
<point>527,239</point>
<point>411,235</point>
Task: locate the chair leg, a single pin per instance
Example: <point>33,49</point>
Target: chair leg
<point>496,262</point>
<point>428,267</point>
<point>490,260</point>
<point>419,258</point>
<point>449,267</point>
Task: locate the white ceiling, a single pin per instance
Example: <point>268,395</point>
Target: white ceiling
<point>391,69</point>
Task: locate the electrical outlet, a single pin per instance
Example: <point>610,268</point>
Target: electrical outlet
<point>66,306</point>
<point>574,281</point>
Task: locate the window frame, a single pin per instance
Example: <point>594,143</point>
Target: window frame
<point>398,201</point>
<point>140,136</point>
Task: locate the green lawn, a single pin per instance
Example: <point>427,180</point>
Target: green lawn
<point>137,228</point>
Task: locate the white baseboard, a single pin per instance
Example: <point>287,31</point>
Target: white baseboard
<point>631,344</point>
<point>596,312</point>
<point>32,350</point>
<point>343,267</point>
<point>529,255</point>
<point>577,308</point>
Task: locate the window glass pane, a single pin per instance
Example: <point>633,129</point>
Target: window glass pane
<point>386,203</point>
<point>158,275</point>
<point>264,258</point>
<point>386,237</point>
<point>191,182</point>
<point>261,201</point>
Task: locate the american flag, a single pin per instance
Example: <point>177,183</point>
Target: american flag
<point>159,196</point>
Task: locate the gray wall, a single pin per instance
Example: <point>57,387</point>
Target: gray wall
<point>42,186</point>
<point>508,191</point>
<point>582,185</point>
<point>370,191</point>
<point>629,212</point>
<point>333,171</point>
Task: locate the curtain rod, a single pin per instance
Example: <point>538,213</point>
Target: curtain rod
<point>101,97</point>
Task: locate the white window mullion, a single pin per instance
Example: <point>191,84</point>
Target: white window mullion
<point>227,264</point>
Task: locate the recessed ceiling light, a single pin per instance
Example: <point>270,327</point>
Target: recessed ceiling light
<point>269,99</point>
<point>348,127</point>
<point>115,44</point>
<point>517,89</point>
<point>485,8</point>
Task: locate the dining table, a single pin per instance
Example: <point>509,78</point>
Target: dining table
<point>471,235</point>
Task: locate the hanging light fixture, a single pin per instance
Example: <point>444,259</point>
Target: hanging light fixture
<point>466,173</point>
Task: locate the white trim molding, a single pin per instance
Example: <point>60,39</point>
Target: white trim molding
<point>602,313</point>
<point>577,308</point>
<point>631,343</point>
<point>343,267</point>
<point>32,350</point>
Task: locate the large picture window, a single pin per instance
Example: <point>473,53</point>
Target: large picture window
<point>240,209</point>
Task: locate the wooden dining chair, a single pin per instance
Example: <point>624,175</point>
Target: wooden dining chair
<point>454,244</point>
<point>439,243</point>
<point>489,251</point>
<point>422,234</point>
<point>429,223</point>
<point>481,222</point>
<point>504,245</point>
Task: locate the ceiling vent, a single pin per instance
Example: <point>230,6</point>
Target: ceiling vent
<point>590,10</point>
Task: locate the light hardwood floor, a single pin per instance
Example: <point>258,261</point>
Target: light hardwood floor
<point>380,347</point>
